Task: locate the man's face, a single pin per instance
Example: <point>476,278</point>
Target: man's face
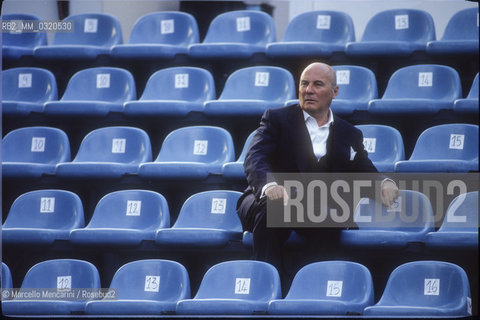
<point>316,89</point>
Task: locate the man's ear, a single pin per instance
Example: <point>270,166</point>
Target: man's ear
<point>335,92</point>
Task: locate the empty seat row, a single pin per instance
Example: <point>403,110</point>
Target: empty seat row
<point>245,287</point>
<point>209,219</point>
<point>241,34</point>
<point>178,91</point>
<point>123,218</point>
<point>197,152</point>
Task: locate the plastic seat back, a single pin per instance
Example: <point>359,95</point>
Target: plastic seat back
<point>7,282</point>
<point>154,280</point>
<point>425,288</point>
<point>355,83</point>
<point>180,83</point>
<point>210,209</point>
<point>473,93</point>
<point>441,83</point>
<point>332,27</point>
<point>206,144</point>
<point>243,26</point>
<point>260,83</point>
<point>243,279</point>
<point>448,141</point>
<point>463,25</point>
<point>45,145</point>
<point>115,144</point>
<point>91,29</point>
<point>166,27</point>
<point>384,145</point>
<point>131,209</point>
<point>46,209</point>
<point>28,85</point>
<point>409,25</point>
<point>462,214</point>
<point>101,84</point>
<point>27,40</point>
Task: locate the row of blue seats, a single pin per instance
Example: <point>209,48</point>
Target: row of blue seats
<point>241,34</point>
<point>197,152</point>
<point>177,91</point>
<point>242,287</point>
<point>209,219</point>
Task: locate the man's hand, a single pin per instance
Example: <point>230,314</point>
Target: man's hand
<point>389,192</point>
<point>277,192</point>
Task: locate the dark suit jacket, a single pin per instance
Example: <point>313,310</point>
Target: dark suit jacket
<point>282,144</point>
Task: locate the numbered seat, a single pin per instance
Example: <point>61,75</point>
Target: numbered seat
<point>444,148</point>
<point>425,289</point>
<point>418,90</point>
<point>17,44</point>
<point>314,33</point>
<point>191,153</point>
<point>53,276</point>
<point>145,287</point>
<point>469,105</point>
<point>32,152</point>
<point>43,217</point>
<point>110,152</point>
<point>206,219</point>
<point>7,282</point>
<point>235,34</point>
<point>327,288</point>
<point>356,87</point>
<point>125,217</point>
<point>384,145</point>
<point>234,170</point>
<point>94,92</point>
<point>459,228</point>
<point>25,90</point>
<point>396,32</point>
<point>460,35</point>
<point>401,226</point>
<point>159,35</point>
<point>175,91</point>
<point>252,90</point>
<point>240,287</point>
<point>88,36</point>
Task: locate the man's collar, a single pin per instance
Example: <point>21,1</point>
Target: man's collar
<point>330,117</point>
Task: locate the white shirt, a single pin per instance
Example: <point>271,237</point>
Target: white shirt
<point>318,134</point>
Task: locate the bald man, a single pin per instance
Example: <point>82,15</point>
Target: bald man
<point>301,138</point>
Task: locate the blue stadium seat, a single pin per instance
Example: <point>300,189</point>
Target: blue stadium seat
<point>235,170</point>
<point>33,151</point>
<point>109,152</point>
<point>469,105</point>
<point>425,289</point>
<point>175,91</point>
<point>43,217</point>
<point>402,226</point>
<point>55,276</point>
<point>18,44</point>
<point>460,36</point>
<point>191,153</point>
<point>125,217</point>
<point>94,92</point>
<point>419,90</point>
<point>396,32</point>
<point>93,34</point>
<point>236,34</point>
<point>207,219</point>
<point>356,87</point>
<point>327,288</point>
<point>252,90</point>
<point>236,288</point>
<point>314,33</point>
<point>145,287</point>
<point>6,279</point>
<point>25,90</point>
<point>384,145</point>
<point>159,35</point>
<point>444,148</point>
<point>459,228</point>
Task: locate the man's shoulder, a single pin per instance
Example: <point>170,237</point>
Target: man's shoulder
<point>339,122</point>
